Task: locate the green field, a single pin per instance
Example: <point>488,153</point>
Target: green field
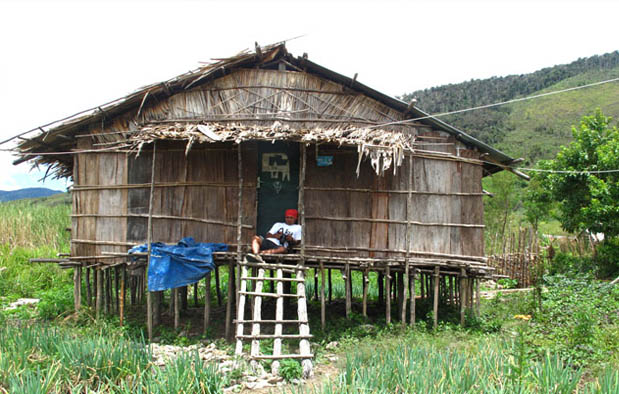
<point>566,341</point>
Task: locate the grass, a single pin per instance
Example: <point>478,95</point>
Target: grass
<point>570,344</point>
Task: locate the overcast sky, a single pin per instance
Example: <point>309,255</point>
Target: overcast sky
<point>60,57</point>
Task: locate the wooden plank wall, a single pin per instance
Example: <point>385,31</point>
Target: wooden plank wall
<point>429,175</point>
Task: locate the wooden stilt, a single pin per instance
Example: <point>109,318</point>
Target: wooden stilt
<point>451,290</point>
<point>77,288</point>
<point>462,295</point>
<point>207,302</point>
<point>195,294</point>
<point>435,309</point>
<point>365,292</point>
<point>330,286</point>
<point>231,296</point>
<point>323,315</point>
<point>88,287</point>
<point>99,301</point>
<point>121,303</point>
<point>157,297</point>
<point>400,297</point>
<point>149,298</point>
<point>380,281</point>
<point>388,293</point>
<point>107,291</point>
<point>348,288</point>
<point>413,296</point>
<point>477,298</point>
<point>176,295</point>
<point>315,284</point>
<point>117,287</point>
<point>217,285</point>
<point>405,292</point>
<point>422,286</point>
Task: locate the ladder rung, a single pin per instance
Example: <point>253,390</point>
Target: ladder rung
<point>271,336</point>
<point>274,266</point>
<point>255,293</point>
<point>272,321</point>
<point>275,279</point>
<point>282,356</point>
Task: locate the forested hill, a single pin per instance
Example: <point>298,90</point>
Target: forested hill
<point>535,128</point>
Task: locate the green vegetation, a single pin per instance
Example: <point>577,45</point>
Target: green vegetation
<point>34,229</point>
<point>40,358</point>
<point>532,129</point>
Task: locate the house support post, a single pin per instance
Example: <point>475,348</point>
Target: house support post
<point>99,300</point>
<point>207,302</point>
<point>365,292</point>
<point>388,294</point>
<point>348,288</point>
<point>323,315</point>
<point>436,276</point>
<point>149,297</point>
<point>463,296</point>
<point>121,306</point>
<point>413,278</point>
<point>77,287</point>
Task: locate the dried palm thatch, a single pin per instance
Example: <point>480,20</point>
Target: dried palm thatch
<point>262,94</point>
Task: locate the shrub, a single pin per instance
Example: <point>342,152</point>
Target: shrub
<point>607,258</point>
<point>290,369</point>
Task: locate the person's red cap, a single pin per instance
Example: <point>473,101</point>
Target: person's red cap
<point>292,212</point>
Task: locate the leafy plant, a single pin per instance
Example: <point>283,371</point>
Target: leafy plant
<point>290,370</point>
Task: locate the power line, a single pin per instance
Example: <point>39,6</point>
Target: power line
<point>569,172</point>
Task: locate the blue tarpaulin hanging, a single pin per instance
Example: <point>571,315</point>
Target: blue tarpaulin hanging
<point>178,265</point>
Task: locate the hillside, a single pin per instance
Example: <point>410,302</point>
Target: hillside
<point>531,129</point>
<point>31,192</point>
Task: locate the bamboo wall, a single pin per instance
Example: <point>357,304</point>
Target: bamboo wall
<point>196,187</point>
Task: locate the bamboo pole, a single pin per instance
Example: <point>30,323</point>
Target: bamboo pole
<point>330,286</point>
<point>388,294</point>
<point>436,278</point>
<point>217,285</point>
<point>77,288</point>
<point>228,324</point>
<point>462,297</point>
<point>413,296</point>
<point>365,292</point>
<point>207,303</point>
<point>149,299</point>
<point>375,191</point>
<point>88,287</point>
<point>323,317</point>
<point>99,301</point>
<point>392,221</point>
<point>347,288</point>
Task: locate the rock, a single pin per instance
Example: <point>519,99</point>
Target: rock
<point>332,345</point>
<point>275,379</point>
<point>20,302</point>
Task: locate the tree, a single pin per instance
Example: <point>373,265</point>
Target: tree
<point>583,178</point>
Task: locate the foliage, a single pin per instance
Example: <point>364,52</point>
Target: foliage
<point>606,258</point>
<point>578,320</point>
<point>40,358</point>
<point>587,201</point>
<point>530,129</point>
<point>290,370</point>
<point>569,264</point>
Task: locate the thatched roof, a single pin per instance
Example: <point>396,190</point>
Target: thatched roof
<point>350,113</point>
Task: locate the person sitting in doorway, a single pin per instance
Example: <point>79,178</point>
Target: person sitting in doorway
<point>281,237</point>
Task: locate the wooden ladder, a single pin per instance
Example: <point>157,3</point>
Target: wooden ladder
<point>254,261</point>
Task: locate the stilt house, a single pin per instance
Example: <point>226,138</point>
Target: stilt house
<point>220,152</point>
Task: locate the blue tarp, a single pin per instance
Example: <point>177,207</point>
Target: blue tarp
<point>178,265</point>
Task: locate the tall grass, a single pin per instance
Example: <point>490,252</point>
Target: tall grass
<point>32,229</point>
<point>46,359</point>
<point>428,365</point>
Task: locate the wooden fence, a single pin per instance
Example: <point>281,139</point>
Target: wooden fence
<point>517,256</point>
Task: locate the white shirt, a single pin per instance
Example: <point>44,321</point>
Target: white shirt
<point>293,229</point>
